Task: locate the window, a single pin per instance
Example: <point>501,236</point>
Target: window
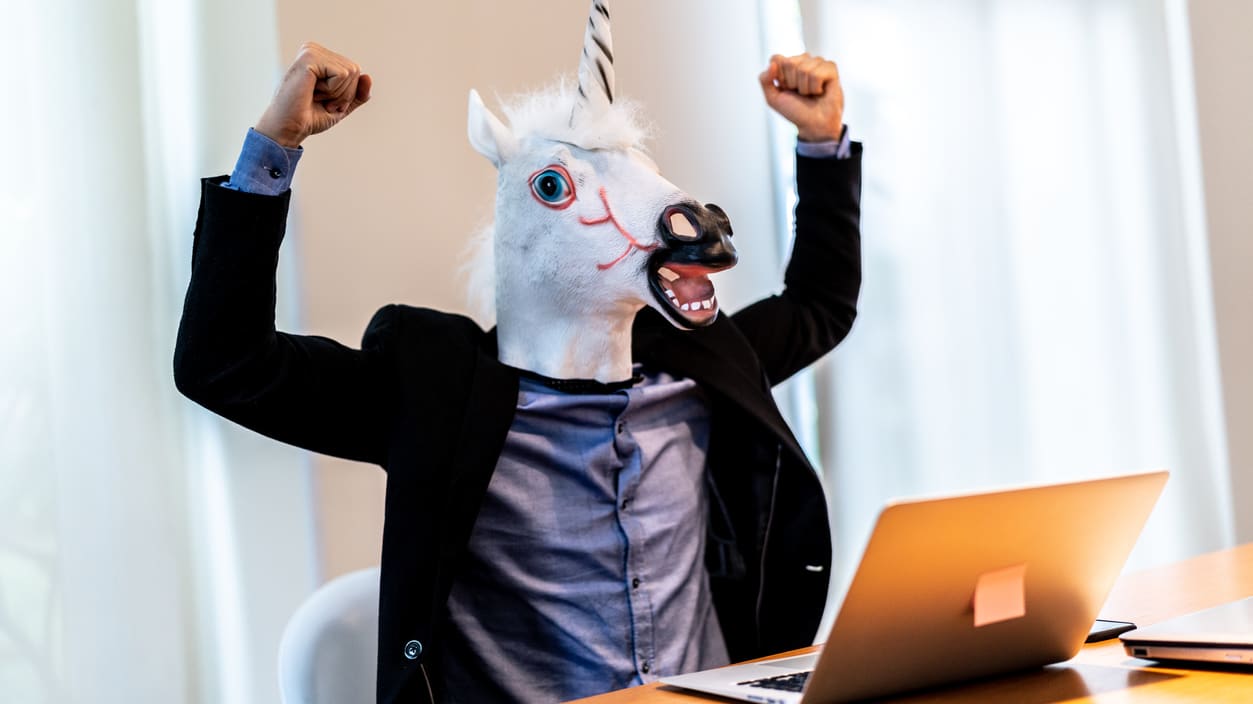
<point>1036,297</point>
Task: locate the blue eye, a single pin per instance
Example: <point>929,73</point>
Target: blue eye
<point>552,187</point>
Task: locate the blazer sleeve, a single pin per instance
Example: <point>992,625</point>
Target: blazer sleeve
<point>815,311</point>
<point>308,391</point>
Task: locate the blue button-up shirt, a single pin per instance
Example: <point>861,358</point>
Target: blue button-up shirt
<point>586,564</point>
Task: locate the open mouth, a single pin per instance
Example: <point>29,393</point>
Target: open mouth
<point>685,291</point>
<point>697,243</point>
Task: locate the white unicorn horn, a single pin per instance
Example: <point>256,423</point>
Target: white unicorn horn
<point>596,74</point>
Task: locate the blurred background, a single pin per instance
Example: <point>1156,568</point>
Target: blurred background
<point>1057,238</point>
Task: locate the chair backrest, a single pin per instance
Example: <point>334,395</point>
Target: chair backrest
<point>329,648</point>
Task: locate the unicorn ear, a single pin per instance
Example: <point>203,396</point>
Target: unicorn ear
<point>488,135</point>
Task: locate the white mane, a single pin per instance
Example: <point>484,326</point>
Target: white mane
<point>546,114</point>
<point>479,272</point>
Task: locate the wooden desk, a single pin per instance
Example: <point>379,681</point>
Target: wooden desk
<point>1101,672</point>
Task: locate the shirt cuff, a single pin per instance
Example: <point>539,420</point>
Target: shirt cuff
<point>265,167</point>
<point>830,149</point>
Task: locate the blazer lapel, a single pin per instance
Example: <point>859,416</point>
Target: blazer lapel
<point>490,408</point>
<point>710,355</point>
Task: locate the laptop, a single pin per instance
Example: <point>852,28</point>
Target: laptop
<point>952,589</point>
<point>1223,634</point>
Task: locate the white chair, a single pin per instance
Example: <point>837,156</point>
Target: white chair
<point>329,648</point>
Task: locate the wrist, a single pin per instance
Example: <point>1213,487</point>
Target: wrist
<point>823,134</point>
<point>284,136</point>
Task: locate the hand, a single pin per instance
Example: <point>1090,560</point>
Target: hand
<point>806,90</point>
<point>319,89</point>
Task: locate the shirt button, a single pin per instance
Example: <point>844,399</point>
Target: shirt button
<point>635,584</point>
<point>645,667</point>
<point>413,649</point>
<point>621,427</point>
<point>625,503</point>
<point>276,173</point>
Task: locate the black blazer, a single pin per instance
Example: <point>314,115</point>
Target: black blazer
<point>426,398</point>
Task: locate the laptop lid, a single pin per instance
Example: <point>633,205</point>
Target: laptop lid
<point>954,588</point>
<point>1223,634</point>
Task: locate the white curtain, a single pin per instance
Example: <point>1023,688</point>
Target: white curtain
<point>1036,304</point>
<point>135,531</point>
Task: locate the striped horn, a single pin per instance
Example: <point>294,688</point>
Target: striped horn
<point>596,73</point>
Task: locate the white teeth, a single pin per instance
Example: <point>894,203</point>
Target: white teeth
<point>668,275</point>
<point>695,306</point>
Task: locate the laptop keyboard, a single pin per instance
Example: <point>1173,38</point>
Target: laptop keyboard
<point>794,682</point>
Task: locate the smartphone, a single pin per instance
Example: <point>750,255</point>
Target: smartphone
<point>1105,630</point>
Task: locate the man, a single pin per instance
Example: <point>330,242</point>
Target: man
<point>567,613</point>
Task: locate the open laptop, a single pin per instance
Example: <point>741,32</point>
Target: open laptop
<point>952,589</point>
<point>1223,634</point>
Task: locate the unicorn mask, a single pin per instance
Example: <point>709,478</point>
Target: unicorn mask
<point>587,232</point>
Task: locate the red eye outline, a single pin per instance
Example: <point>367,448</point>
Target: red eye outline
<point>565,176</point>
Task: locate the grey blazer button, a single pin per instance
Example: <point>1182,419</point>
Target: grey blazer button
<point>413,649</point>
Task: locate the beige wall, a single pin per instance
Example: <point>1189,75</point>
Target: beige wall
<point>1222,44</point>
<point>386,201</point>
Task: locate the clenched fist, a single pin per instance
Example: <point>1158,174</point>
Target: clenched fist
<point>806,90</point>
<point>319,89</point>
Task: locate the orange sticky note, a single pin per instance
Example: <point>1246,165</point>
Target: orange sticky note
<point>1000,595</point>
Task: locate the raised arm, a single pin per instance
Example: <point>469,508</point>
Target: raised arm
<point>816,309</point>
<point>308,391</point>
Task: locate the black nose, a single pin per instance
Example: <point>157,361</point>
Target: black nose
<point>697,234</point>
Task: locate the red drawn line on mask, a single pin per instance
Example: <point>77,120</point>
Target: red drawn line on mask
<point>632,243</point>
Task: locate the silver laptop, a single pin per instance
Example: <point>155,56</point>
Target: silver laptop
<point>1223,634</point>
<point>952,589</point>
